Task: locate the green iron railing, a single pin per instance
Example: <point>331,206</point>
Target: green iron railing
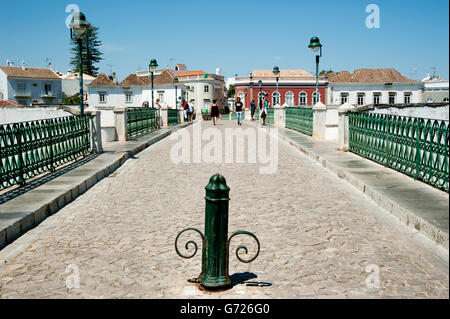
<point>417,147</point>
<point>172,117</point>
<point>300,119</point>
<point>141,120</point>
<point>270,116</point>
<point>29,149</point>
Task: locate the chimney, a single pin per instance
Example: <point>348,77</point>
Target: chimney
<point>218,71</point>
<point>23,65</point>
<point>114,77</point>
<point>69,72</point>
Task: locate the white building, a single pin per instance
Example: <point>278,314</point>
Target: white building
<point>372,86</point>
<point>71,83</point>
<point>435,89</point>
<point>134,91</point>
<point>27,86</point>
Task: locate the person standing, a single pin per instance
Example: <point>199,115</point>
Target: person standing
<point>253,109</point>
<point>265,110</point>
<point>191,109</point>
<point>186,110</point>
<point>238,106</point>
<point>214,111</point>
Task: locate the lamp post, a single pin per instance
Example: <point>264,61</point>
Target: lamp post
<point>152,67</point>
<point>79,25</point>
<point>260,95</point>
<point>251,86</point>
<point>276,71</point>
<point>175,82</point>
<point>315,46</point>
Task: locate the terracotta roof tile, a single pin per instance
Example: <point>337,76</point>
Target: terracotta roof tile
<point>369,76</point>
<point>191,73</point>
<point>9,103</point>
<point>133,80</point>
<point>29,73</point>
<point>102,81</point>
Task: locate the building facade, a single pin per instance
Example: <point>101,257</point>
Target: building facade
<point>70,83</point>
<point>295,88</point>
<point>435,89</point>
<point>30,86</point>
<point>372,87</point>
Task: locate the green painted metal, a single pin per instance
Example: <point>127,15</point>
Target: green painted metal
<point>300,119</point>
<point>270,116</point>
<point>215,241</point>
<point>172,117</point>
<point>141,120</point>
<point>417,147</point>
<point>28,149</point>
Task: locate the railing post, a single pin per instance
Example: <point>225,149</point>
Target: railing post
<point>96,131</point>
<point>164,116</point>
<point>279,115</point>
<point>248,114</point>
<point>215,241</point>
<point>120,114</point>
<point>344,133</point>
<point>181,115</point>
<point>319,121</point>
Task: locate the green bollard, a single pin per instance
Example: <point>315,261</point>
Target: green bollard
<point>215,242</point>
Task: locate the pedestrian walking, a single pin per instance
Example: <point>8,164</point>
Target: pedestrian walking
<point>238,106</point>
<point>186,110</point>
<point>253,109</point>
<point>191,109</point>
<point>214,111</point>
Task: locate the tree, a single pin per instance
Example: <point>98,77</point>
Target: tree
<point>90,53</point>
<point>329,71</point>
<point>231,91</point>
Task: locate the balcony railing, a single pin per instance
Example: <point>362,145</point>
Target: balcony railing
<point>21,93</point>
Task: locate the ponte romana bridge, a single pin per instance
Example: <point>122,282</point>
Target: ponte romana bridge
<point>82,218</point>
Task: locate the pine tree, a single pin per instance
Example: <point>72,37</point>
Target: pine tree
<point>90,53</point>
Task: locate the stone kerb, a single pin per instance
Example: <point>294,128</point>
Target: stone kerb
<point>343,133</point>
<point>319,121</point>
<point>120,116</point>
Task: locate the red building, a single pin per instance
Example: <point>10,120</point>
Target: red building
<point>295,88</point>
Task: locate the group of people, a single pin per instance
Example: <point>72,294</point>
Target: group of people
<point>239,108</point>
<point>188,110</point>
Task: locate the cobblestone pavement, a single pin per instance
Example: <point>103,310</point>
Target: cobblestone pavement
<point>317,236</point>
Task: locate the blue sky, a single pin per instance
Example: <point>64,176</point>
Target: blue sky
<point>237,36</point>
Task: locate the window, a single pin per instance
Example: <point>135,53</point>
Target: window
<point>128,97</point>
<point>102,97</point>
<point>344,98</point>
<point>290,98</point>
<point>314,99</point>
<point>206,88</point>
<point>21,88</point>
<point>361,98</point>
<point>376,98</point>
<point>429,100</point>
<point>47,89</point>
<point>161,96</point>
<point>391,98</point>
<point>22,102</point>
<point>275,98</point>
<point>303,98</point>
<point>407,98</point>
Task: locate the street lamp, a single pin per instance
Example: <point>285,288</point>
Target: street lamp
<point>276,71</point>
<point>152,67</point>
<point>79,26</point>
<point>251,86</point>
<point>260,95</point>
<point>175,82</point>
<point>315,46</point>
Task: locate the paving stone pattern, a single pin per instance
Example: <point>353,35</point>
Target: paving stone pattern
<point>317,236</point>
